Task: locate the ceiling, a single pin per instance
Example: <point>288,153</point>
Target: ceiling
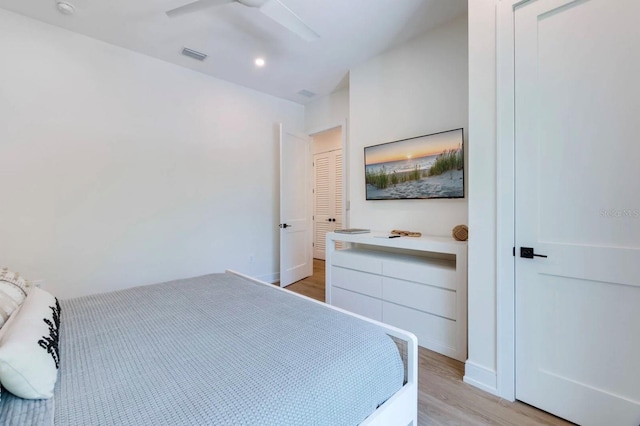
<point>233,35</point>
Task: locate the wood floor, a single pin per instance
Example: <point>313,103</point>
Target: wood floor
<point>443,398</point>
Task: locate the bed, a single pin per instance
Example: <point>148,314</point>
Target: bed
<point>222,349</point>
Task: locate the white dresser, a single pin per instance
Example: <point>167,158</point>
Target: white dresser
<point>418,284</point>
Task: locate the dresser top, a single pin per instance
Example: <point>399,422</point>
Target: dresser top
<point>425,243</point>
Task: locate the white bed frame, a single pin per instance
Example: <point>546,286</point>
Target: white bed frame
<point>402,407</point>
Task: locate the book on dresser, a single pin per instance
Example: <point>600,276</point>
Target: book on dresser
<point>353,231</point>
<point>417,284</point>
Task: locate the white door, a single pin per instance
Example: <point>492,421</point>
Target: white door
<point>327,193</point>
<point>577,66</point>
<point>296,260</point>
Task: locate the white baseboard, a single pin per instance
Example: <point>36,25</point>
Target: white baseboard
<point>480,377</point>
<point>270,278</point>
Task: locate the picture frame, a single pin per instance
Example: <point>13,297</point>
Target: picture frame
<point>423,167</point>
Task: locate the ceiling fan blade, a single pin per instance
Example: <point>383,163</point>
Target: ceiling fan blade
<point>195,6</point>
<point>284,16</point>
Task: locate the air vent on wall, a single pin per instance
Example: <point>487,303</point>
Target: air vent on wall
<point>193,54</point>
<point>306,93</point>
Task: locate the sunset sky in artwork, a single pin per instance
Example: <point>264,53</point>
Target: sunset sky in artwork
<point>422,146</point>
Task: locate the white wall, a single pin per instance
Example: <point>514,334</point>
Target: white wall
<point>481,366</point>
<point>119,169</point>
<point>327,112</point>
<point>418,88</point>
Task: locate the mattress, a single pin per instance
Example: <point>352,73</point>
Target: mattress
<point>213,350</point>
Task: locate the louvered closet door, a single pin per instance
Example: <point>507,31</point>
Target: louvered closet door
<point>327,198</point>
<point>338,194</point>
<point>323,203</point>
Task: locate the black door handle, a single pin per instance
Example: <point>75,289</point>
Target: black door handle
<point>284,226</point>
<point>527,253</point>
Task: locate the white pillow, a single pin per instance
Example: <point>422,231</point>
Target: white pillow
<point>13,290</point>
<point>29,356</point>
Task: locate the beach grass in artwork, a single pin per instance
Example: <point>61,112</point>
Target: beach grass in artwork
<point>430,166</point>
<point>452,159</point>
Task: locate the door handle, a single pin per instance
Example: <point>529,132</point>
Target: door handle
<point>527,253</point>
<point>284,226</point>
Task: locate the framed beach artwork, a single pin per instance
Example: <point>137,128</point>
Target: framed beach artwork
<point>424,167</point>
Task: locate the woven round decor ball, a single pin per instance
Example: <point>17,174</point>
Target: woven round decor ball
<point>460,233</point>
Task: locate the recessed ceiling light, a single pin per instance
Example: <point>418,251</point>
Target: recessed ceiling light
<point>260,62</point>
<point>65,8</point>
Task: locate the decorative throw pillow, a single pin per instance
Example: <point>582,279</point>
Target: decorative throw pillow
<point>29,357</point>
<point>13,290</point>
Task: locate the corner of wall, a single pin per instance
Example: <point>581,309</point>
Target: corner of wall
<point>481,368</point>
<point>326,112</point>
<point>480,377</point>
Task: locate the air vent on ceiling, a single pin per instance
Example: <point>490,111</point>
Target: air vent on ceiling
<point>193,54</point>
<point>306,93</point>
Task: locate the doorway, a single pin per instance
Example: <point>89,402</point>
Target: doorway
<point>328,186</point>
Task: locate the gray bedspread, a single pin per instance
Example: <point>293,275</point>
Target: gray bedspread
<point>215,350</point>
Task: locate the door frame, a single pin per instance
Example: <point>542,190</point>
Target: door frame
<point>505,203</point>
<point>346,204</point>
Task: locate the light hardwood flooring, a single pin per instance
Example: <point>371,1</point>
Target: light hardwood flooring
<point>443,398</point>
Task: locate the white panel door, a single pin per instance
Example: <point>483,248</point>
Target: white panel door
<point>578,203</point>
<point>296,261</point>
<point>327,217</point>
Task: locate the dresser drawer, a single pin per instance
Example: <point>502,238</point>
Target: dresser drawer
<point>359,261</point>
<point>433,300</point>
<point>358,281</point>
<point>416,284</point>
<point>435,272</point>
<point>357,303</point>
<point>435,333</point>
